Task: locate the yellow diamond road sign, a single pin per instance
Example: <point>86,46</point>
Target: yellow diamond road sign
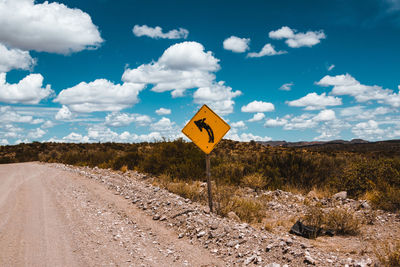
<point>206,129</point>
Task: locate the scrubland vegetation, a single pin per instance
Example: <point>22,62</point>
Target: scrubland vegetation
<point>366,171</point>
<point>369,171</point>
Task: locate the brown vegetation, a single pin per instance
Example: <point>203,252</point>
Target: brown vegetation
<point>389,253</point>
<point>361,169</point>
<point>337,220</point>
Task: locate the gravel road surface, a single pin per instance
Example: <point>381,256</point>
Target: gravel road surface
<point>52,217</point>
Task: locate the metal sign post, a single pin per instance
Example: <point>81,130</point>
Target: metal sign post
<point>214,129</point>
<point>208,173</point>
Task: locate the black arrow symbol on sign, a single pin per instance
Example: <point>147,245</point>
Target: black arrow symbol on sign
<point>202,125</point>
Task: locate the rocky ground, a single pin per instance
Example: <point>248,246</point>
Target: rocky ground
<point>240,244</point>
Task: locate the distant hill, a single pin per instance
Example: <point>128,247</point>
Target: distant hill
<point>312,143</point>
<point>388,148</point>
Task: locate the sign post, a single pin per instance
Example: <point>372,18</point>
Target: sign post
<point>206,130</point>
<point>208,173</point>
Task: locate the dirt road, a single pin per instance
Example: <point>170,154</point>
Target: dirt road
<point>51,217</point>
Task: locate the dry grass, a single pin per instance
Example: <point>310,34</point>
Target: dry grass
<point>247,209</point>
<point>388,253</point>
<point>386,198</point>
<point>314,217</point>
<point>255,181</point>
<point>124,168</point>
<point>341,221</point>
<point>191,190</point>
<point>271,224</point>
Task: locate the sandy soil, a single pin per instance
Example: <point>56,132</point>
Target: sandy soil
<point>50,217</point>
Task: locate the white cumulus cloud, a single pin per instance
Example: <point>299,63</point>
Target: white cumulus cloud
<point>218,96</point>
<point>100,95</point>
<point>75,138</point>
<point>4,142</point>
<point>9,115</point>
<point>275,122</point>
<point>258,106</point>
<point>236,44</point>
<point>163,125</point>
<point>118,119</point>
<point>347,85</point>
<point>246,137</point>
<point>286,86</point>
<point>182,66</point>
<point>157,32</point>
<point>29,90</point>
<point>36,133</point>
<point>267,50</point>
<point>257,117</point>
<point>64,113</point>
<point>48,27</point>
<point>368,130</point>
<point>313,101</point>
<point>296,39</point>
<point>163,111</point>
<point>325,115</point>
<point>238,124</point>
<point>15,59</point>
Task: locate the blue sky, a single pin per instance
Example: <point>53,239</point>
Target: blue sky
<point>133,71</point>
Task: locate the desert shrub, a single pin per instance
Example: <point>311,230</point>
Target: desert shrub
<point>130,160</point>
<point>254,180</point>
<point>388,253</point>
<point>229,173</point>
<point>177,159</point>
<point>248,210</point>
<point>386,197</point>
<point>314,217</point>
<point>222,195</point>
<point>365,174</point>
<point>192,191</point>
<point>227,198</point>
<point>342,222</point>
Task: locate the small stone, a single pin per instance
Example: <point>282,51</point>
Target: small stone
<point>365,205</point>
<point>201,234</point>
<point>274,264</point>
<point>181,235</point>
<point>269,247</point>
<point>288,241</point>
<point>250,259</point>
<point>232,243</point>
<point>233,216</point>
<point>163,218</point>
<point>156,217</point>
<point>308,259</point>
<point>341,195</point>
<point>214,226</point>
